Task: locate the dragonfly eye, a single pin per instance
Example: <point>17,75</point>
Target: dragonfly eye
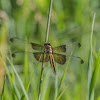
<point>47,43</point>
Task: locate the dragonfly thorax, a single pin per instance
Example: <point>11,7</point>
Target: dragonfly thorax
<point>51,50</point>
<point>48,47</point>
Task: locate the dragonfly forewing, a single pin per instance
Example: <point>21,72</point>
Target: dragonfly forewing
<point>61,48</point>
<point>66,48</point>
<point>21,43</point>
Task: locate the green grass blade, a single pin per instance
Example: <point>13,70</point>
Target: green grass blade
<point>94,75</point>
<point>22,86</point>
<point>98,98</point>
<point>45,86</point>
<point>48,21</point>
<point>11,82</point>
<point>27,87</point>
<point>62,93</point>
<point>62,79</point>
<point>56,87</point>
<point>90,64</point>
<point>25,67</point>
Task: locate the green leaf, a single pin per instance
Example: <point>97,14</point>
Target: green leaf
<point>95,74</point>
<point>22,86</point>
<point>62,93</point>
<point>27,87</point>
<point>62,79</point>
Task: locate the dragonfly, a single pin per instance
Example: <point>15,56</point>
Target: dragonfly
<point>48,52</point>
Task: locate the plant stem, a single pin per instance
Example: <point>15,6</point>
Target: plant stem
<point>41,79</point>
<point>90,63</point>
<point>48,21</point>
<point>46,39</point>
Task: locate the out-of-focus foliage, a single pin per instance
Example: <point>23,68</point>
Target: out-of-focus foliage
<point>71,20</point>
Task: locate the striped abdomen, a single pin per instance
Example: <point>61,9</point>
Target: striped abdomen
<point>52,63</point>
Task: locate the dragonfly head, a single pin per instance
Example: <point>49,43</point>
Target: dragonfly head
<point>47,43</point>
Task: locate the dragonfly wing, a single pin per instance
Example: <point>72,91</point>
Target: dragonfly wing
<point>61,48</point>
<point>37,46</point>
<point>40,55</point>
<point>59,58</point>
<point>18,56</point>
<point>21,43</point>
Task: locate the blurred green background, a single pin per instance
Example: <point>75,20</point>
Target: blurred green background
<point>71,20</point>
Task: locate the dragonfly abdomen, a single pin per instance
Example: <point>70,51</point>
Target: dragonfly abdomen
<point>52,64</point>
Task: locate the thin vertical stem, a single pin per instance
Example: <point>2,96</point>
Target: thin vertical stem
<point>48,21</point>
<point>46,39</point>
<point>41,79</point>
<point>90,61</point>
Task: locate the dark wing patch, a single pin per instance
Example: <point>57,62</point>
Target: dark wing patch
<point>39,56</point>
<point>59,58</point>
<point>61,48</point>
<point>37,46</point>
